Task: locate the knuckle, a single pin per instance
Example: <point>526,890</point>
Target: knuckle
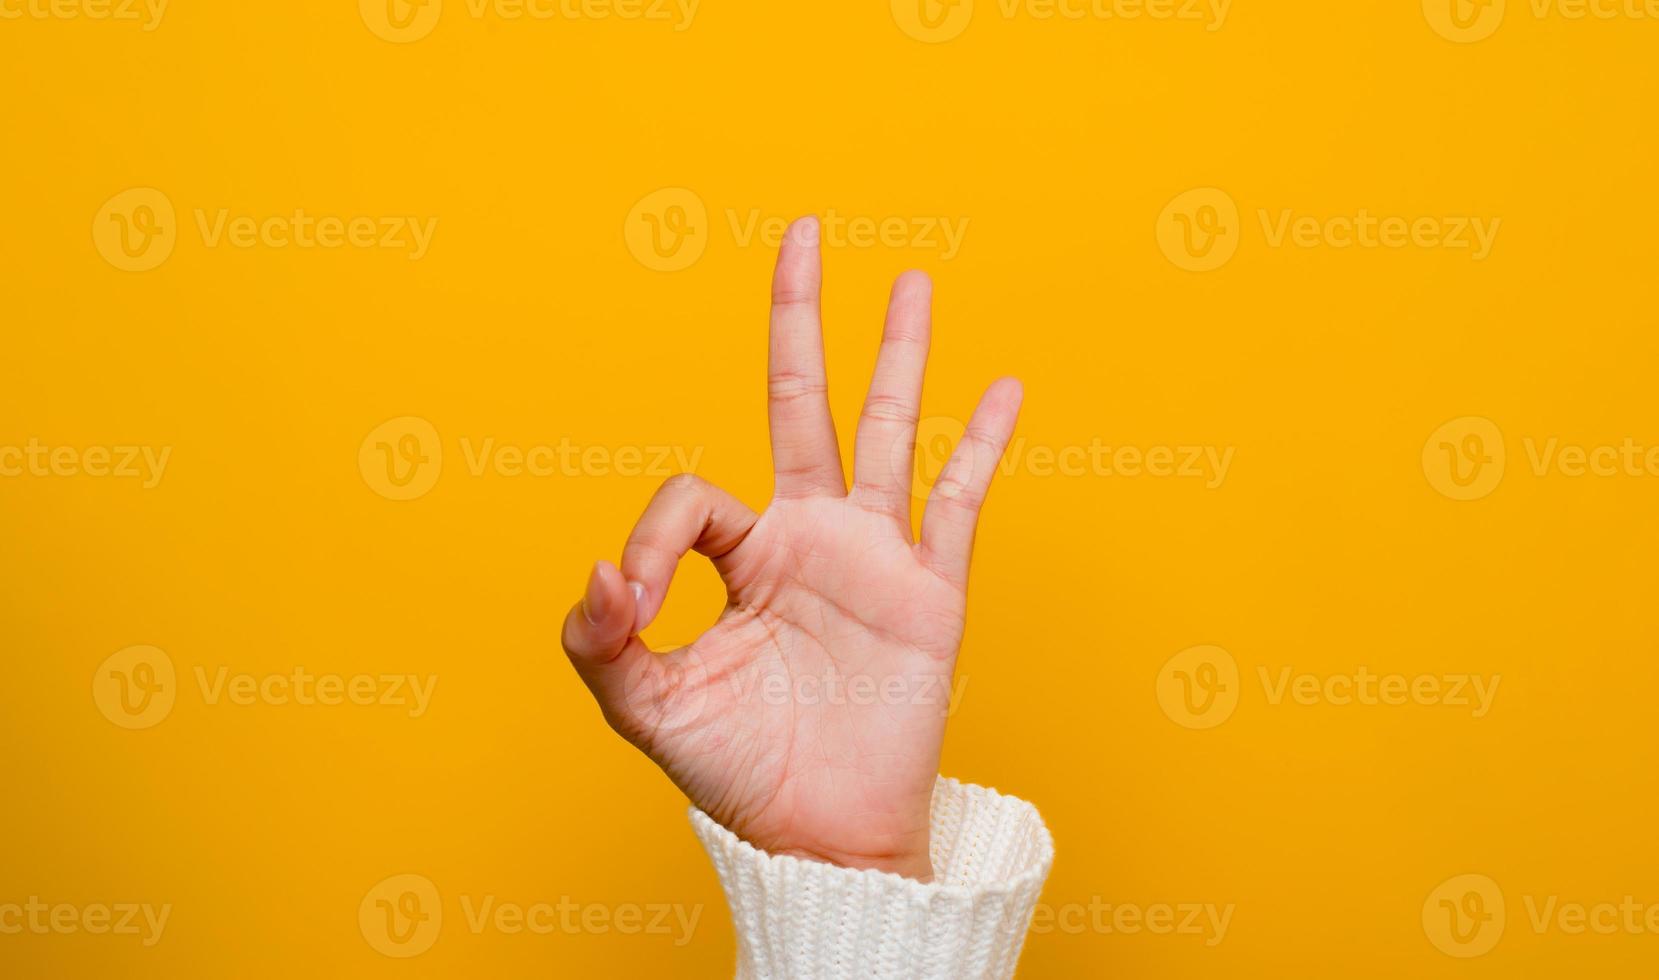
<point>984,444</point>
<point>683,483</point>
<point>905,334</point>
<point>647,546</point>
<point>790,385</point>
<point>785,295</point>
<point>879,498</point>
<point>961,503</point>
<point>891,408</point>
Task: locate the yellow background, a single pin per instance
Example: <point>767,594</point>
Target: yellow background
<point>530,321</point>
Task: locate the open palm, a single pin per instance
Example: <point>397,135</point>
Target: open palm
<point>809,719</point>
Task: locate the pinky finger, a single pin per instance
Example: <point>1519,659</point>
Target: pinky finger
<point>953,506</point>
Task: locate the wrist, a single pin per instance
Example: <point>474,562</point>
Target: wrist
<point>916,865</point>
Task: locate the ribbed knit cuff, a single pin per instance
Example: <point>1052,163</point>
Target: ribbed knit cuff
<point>797,918</point>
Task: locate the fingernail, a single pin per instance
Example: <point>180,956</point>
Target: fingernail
<point>594,600</point>
<point>638,590</point>
<point>806,230</point>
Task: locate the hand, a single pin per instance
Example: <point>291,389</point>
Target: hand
<point>809,719</point>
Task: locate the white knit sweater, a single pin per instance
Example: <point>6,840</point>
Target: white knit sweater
<point>800,919</point>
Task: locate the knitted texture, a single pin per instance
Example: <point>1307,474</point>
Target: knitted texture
<point>799,919</point>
